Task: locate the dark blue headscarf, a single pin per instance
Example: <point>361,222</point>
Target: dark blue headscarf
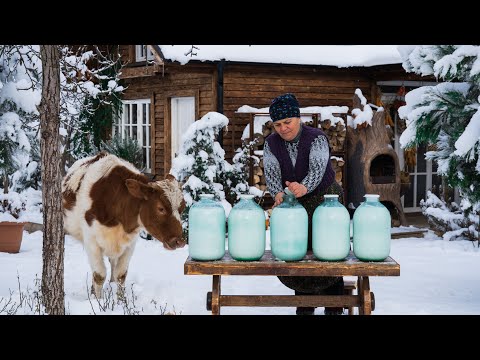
<point>284,106</point>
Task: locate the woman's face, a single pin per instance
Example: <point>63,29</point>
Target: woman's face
<point>287,128</point>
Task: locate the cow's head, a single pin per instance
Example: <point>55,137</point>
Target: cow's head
<point>160,209</point>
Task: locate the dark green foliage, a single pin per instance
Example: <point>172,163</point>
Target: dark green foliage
<point>99,112</point>
<point>443,126</point>
<point>10,140</point>
<point>7,162</point>
<point>235,179</point>
<point>127,149</point>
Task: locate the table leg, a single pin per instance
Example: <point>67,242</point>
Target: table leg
<point>365,296</point>
<point>216,295</point>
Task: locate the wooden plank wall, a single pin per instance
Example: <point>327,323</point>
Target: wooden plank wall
<point>256,86</point>
<point>127,52</point>
<point>247,84</point>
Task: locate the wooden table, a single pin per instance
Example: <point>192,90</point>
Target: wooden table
<point>309,266</point>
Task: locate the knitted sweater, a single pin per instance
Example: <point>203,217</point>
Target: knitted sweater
<point>306,160</point>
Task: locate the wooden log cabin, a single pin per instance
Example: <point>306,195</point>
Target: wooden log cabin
<point>166,93</point>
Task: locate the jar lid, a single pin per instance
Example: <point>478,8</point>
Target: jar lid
<point>372,195</point>
<point>206,196</point>
<point>246,196</point>
<point>330,196</point>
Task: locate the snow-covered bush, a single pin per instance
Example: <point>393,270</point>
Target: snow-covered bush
<point>18,100</point>
<point>201,163</point>
<point>234,178</point>
<point>450,219</point>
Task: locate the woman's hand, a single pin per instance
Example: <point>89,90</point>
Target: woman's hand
<point>297,189</point>
<point>278,199</point>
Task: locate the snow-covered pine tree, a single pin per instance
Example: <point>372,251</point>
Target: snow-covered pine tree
<point>200,161</point>
<point>14,154</point>
<point>234,178</point>
<point>448,115</point>
<point>18,118</point>
<point>90,97</point>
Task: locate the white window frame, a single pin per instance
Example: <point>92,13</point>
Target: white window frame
<point>125,127</point>
<point>428,181</point>
<point>143,53</point>
<point>428,172</point>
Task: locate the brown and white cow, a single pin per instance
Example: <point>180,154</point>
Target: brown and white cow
<point>106,202</point>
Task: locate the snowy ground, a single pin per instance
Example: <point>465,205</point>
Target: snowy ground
<point>437,277</point>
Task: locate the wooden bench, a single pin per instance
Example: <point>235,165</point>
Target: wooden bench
<point>364,299</point>
<point>349,287</point>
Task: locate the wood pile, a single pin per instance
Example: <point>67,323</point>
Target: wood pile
<point>336,135</point>
<point>338,164</point>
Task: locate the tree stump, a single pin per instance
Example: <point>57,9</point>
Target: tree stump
<point>373,166</point>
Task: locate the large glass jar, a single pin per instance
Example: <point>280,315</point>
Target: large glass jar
<point>331,230</point>
<point>246,230</point>
<point>371,230</point>
<point>289,229</point>
<point>206,229</point>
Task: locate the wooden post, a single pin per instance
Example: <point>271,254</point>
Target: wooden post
<point>216,295</point>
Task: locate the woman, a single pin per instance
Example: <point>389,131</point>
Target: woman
<point>298,157</point>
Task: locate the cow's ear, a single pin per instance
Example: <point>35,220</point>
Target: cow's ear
<point>170,177</point>
<point>137,189</point>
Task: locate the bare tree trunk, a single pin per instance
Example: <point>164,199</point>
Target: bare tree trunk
<point>53,234</point>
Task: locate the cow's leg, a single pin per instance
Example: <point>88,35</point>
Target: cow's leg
<point>113,264</point>
<point>95,258</point>
<point>121,269</point>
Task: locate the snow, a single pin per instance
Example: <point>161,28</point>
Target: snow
<point>333,55</point>
<point>361,116</point>
<point>470,136</point>
<point>437,277</point>
<point>413,111</point>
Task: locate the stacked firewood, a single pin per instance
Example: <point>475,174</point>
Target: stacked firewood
<point>338,163</point>
<point>336,137</point>
<point>259,177</point>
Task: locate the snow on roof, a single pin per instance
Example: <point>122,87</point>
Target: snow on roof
<point>333,55</point>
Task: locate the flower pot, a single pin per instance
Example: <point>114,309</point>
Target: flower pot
<point>11,236</point>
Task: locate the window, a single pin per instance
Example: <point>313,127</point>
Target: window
<point>423,177</point>
<point>143,53</point>
<point>134,122</point>
<point>183,115</point>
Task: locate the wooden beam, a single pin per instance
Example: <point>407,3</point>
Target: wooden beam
<point>140,71</point>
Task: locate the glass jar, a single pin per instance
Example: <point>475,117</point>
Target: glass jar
<point>371,230</point>
<point>246,230</point>
<point>289,229</point>
<point>331,230</point>
<point>206,229</point>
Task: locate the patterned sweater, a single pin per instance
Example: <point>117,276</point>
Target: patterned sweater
<point>318,160</point>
